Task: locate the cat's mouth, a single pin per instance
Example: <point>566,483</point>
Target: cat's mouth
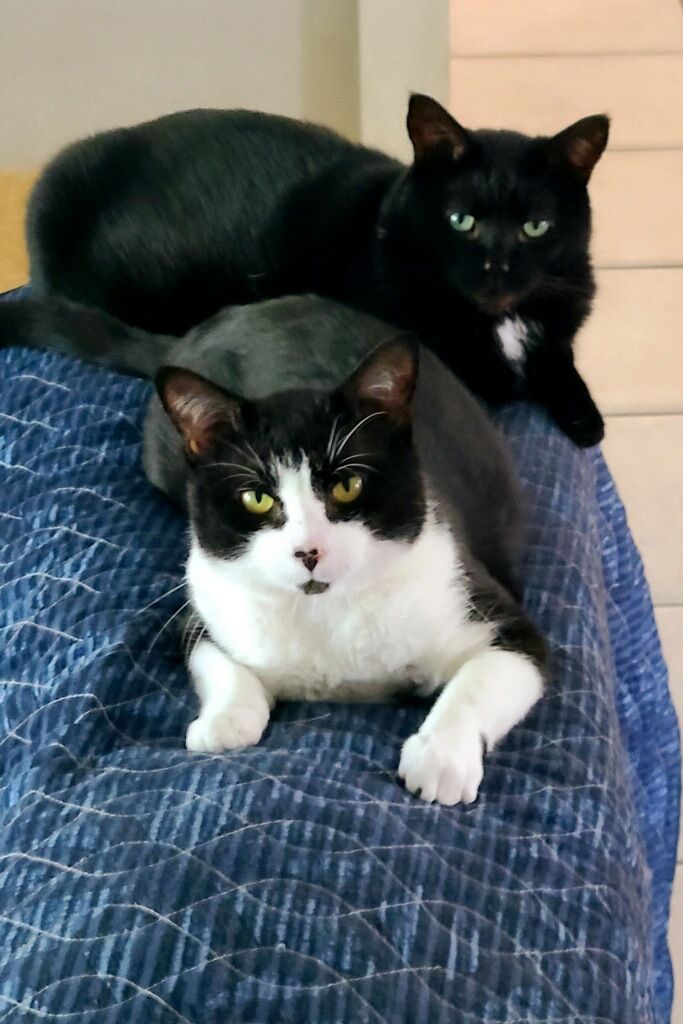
<point>496,305</point>
<point>314,587</point>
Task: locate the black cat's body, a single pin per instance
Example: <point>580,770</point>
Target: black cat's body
<point>164,224</point>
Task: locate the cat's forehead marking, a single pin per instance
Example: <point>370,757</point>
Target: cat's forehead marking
<point>295,484</point>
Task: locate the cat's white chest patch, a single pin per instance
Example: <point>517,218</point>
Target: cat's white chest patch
<point>413,623</point>
<point>513,335</point>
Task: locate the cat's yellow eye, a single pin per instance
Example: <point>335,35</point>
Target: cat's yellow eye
<point>348,490</point>
<point>257,502</point>
<point>535,228</point>
<point>464,222</point>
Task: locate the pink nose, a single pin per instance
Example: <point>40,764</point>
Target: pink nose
<point>309,558</point>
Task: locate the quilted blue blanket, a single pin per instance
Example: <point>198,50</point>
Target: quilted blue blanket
<point>297,881</point>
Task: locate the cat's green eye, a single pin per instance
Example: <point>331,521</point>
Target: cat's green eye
<point>348,490</point>
<point>464,222</point>
<point>257,502</point>
<point>535,228</point>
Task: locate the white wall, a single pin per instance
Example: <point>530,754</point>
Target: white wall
<point>71,67</point>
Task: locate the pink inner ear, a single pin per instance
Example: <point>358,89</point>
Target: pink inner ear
<point>383,385</point>
<point>581,153</point>
<point>582,144</point>
<point>386,381</point>
<point>438,135</point>
<point>197,407</point>
<point>433,130</point>
<point>200,418</point>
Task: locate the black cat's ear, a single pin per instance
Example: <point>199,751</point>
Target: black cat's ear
<point>433,131</point>
<point>582,144</point>
<point>385,381</point>
<point>198,409</point>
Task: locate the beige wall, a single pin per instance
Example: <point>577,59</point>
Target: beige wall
<point>70,67</point>
<point>403,48</point>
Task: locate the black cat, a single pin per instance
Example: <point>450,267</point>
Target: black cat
<point>481,246</point>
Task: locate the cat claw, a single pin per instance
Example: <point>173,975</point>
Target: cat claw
<point>446,767</point>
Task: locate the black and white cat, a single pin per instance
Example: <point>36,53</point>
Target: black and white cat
<point>480,247</point>
<point>354,526</point>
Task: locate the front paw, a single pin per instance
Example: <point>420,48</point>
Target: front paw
<point>229,729</point>
<point>577,415</point>
<point>446,766</point>
<point>585,430</point>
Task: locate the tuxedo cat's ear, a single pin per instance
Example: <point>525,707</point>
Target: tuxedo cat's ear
<point>433,131</point>
<point>385,381</point>
<point>197,408</point>
<point>581,145</point>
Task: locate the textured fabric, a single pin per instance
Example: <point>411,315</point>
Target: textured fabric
<point>297,881</point>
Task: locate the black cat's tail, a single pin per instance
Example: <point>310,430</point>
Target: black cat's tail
<point>59,325</point>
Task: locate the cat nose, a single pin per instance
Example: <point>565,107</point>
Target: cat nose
<point>309,558</point>
<point>493,265</point>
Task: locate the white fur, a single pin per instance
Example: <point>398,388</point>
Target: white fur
<point>234,707</point>
<point>395,613</point>
<point>488,696</point>
<point>513,335</point>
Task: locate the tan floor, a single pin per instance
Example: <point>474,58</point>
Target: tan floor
<point>537,65</point>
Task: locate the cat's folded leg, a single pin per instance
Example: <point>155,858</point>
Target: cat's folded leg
<point>235,707</point>
<point>492,692</point>
<point>555,382</point>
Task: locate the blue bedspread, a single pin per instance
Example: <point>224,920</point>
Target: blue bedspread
<point>297,881</point>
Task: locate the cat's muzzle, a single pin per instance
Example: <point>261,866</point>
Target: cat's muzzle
<point>314,587</point>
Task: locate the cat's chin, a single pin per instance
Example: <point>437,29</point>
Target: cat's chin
<point>314,587</point>
<point>498,305</point>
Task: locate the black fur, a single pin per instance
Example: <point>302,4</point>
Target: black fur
<point>165,223</point>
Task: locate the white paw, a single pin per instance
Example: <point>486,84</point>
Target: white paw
<point>229,729</point>
<point>446,766</point>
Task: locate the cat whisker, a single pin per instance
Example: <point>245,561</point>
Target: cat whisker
<point>357,465</point>
<point>253,480</point>
<point>353,430</point>
<point>202,633</point>
<point>192,617</point>
<point>363,455</point>
<point>244,472</point>
<point>562,286</point>
<point>168,623</point>
<point>193,632</point>
<point>160,598</point>
<point>332,439</point>
<point>230,465</point>
<point>257,458</point>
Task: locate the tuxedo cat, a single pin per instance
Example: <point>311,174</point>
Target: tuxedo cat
<point>355,526</point>
<point>480,246</point>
